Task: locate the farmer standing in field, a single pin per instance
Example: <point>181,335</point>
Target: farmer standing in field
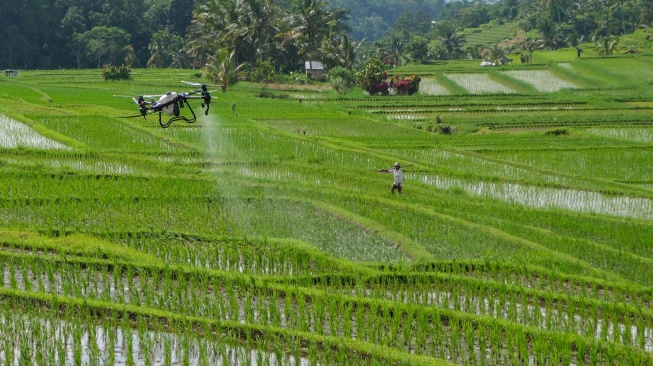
<point>399,177</point>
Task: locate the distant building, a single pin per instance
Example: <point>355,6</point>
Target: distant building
<point>314,68</point>
<point>10,72</point>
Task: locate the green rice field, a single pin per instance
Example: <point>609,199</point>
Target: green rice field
<point>264,233</point>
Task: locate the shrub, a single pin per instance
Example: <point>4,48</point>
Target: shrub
<point>557,132</point>
<point>407,86</point>
<point>295,77</point>
<point>341,79</point>
<point>110,72</point>
<point>446,130</point>
<point>263,72</point>
<point>372,77</point>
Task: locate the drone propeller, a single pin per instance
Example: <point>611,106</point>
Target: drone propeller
<point>205,93</point>
<point>131,96</point>
<point>200,91</point>
<point>203,86</point>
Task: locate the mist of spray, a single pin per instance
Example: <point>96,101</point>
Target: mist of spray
<point>215,141</point>
<point>218,151</point>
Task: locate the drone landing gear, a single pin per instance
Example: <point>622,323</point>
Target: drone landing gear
<point>177,116</point>
<point>206,100</point>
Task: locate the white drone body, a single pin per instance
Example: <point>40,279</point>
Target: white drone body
<point>168,106</point>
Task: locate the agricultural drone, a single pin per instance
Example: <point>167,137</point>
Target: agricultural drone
<point>171,104</point>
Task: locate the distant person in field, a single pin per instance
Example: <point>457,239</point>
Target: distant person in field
<point>578,51</point>
<point>399,177</point>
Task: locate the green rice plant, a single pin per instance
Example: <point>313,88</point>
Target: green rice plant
<point>241,228</point>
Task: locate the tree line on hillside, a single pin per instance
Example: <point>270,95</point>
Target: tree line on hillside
<point>277,36</point>
<point>417,37</point>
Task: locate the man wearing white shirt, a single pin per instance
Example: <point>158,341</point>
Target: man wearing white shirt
<point>399,177</point>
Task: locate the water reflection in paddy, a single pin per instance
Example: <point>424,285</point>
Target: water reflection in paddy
<point>544,197</point>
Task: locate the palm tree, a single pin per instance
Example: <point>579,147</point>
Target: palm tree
<point>418,48</point>
<point>309,21</point>
<point>530,45</point>
<point>451,41</point>
<point>550,34</point>
<point>606,45</point>
<point>339,50</point>
<point>253,29</point>
<point>161,46</point>
<point>209,21</point>
<point>395,50</point>
<point>646,13</point>
<point>493,53</point>
<point>178,53</point>
<point>221,68</point>
<point>554,8</point>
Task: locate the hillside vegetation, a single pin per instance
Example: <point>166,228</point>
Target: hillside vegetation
<point>263,233</point>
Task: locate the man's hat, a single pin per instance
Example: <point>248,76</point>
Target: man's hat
<point>397,165</point>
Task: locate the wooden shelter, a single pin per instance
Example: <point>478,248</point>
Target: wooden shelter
<point>314,68</point>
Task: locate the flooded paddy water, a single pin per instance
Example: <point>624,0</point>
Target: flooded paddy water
<point>543,197</point>
<point>14,134</point>
<point>58,342</point>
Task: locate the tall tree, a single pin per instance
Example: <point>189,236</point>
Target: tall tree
<point>418,48</point>
<point>253,29</point>
<point>180,14</point>
<point>474,16</point>
<point>339,50</point>
<point>210,19</point>
<point>221,68</point>
<point>106,43</point>
<point>645,13</point>
<point>310,21</point>
<point>168,50</point>
<point>393,50</point>
<point>451,41</point>
<point>550,34</point>
<point>28,38</point>
<point>158,48</point>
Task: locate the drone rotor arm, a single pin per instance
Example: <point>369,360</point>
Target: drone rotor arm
<point>134,116</point>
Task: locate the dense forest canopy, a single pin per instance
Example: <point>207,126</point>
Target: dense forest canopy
<point>50,34</point>
<point>371,19</point>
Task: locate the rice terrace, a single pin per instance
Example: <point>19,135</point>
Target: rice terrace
<point>263,233</point>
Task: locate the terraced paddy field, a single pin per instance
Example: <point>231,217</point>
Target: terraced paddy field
<point>264,234</point>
